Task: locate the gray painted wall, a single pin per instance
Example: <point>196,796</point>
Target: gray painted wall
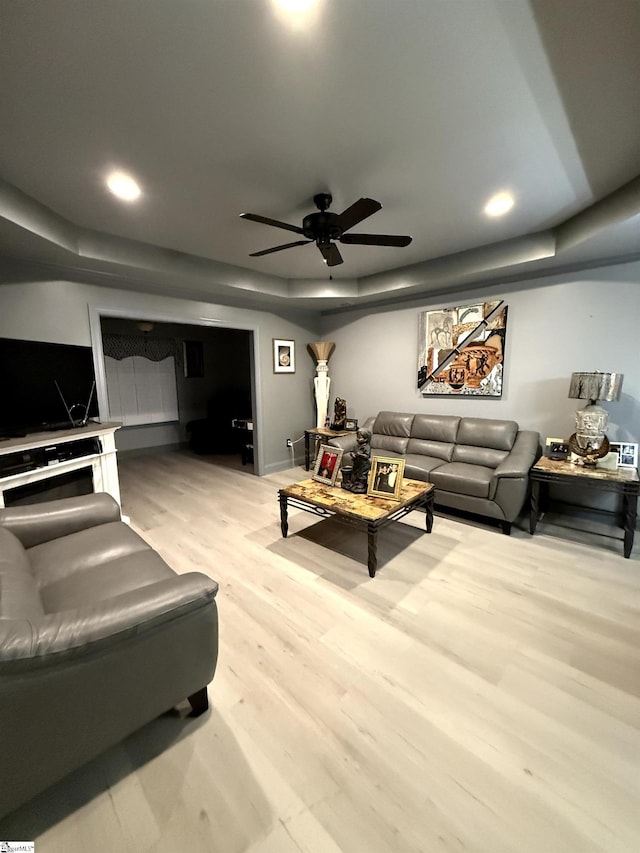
<point>586,321</point>
<point>556,325</point>
<point>58,311</point>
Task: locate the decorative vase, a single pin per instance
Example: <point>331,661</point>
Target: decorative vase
<point>322,351</point>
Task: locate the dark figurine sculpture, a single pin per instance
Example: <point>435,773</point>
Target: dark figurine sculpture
<point>339,413</point>
<point>355,476</point>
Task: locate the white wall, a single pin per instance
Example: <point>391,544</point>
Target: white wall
<point>556,325</point>
<point>58,311</point>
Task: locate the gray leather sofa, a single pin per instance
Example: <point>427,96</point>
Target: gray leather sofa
<point>478,465</point>
<point>98,636</point>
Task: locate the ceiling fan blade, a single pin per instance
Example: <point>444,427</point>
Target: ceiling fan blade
<point>375,239</point>
<point>331,254</point>
<point>358,211</point>
<point>254,217</point>
<point>280,248</point>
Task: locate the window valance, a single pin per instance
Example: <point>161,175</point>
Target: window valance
<point>154,349</point>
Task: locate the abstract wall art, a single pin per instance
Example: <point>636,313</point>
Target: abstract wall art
<point>461,350</point>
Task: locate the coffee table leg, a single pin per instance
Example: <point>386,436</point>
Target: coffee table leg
<point>307,454</point>
<point>372,546</point>
<point>428,508</point>
<point>630,509</point>
<point>284,522</point>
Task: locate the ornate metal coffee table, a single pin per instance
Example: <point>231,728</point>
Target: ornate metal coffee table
<point>372,513</point>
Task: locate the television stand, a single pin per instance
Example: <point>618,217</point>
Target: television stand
<point>45,456</point>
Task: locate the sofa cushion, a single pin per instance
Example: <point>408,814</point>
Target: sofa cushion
<point>478,455</point>
<point>93,565</point>
<point>393,423</point>
<point>19,596</point>
<point>485,432</point>
<point>425,447</point>
<point>390,433</point>
<point>388,445</point>
<point>419,466</point>
<point>473,480</point>
<point>442,428</point>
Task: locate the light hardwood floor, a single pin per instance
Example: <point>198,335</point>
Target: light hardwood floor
<point>482,693</point>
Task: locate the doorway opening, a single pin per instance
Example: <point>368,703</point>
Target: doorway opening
<point>178,384</point>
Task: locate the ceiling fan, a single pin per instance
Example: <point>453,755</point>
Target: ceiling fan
<point>324,227</point>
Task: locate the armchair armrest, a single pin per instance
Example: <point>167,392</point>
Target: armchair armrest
<point>522,457</point>
<point>89,630</point>
<point>38,523</point>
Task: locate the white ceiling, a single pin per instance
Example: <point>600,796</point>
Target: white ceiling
<point>224,106</point>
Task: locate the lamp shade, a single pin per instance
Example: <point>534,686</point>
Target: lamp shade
<point>596,386</point>
<point>322,350</point>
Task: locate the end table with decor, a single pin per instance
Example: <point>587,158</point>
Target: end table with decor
<point>624,481</point>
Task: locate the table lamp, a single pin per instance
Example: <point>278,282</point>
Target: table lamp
<point>589,442</point>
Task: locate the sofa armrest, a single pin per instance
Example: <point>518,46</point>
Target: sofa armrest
<point>350,442</point>
<point>523,455</point>
<point>92,629</point>
<point>344,442</point>
<point>38,523</point>
<point>510,483</point>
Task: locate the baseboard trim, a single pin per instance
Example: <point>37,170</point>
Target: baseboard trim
<point>155,448</point>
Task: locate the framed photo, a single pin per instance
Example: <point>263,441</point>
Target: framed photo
<point>559,450</point>
<point>327,464</point>
<point>351,423</point>
<point>627,454</point>
<point>385,477</point>
<point>193,358</point>
<point>284,356</point>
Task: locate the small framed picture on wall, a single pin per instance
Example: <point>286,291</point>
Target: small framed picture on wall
<point>193,358</point>
<point>284,356</point>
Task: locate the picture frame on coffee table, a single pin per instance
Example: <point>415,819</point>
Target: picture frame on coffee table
<point>385,477</point>
<point>327,464</point>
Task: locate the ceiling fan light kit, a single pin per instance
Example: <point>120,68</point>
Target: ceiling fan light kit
<point>325,227</point>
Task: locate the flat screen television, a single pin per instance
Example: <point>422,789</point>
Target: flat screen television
<point>34,378</point>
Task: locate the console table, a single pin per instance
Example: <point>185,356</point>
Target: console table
<point>624,481</point>
<point>42,455</point>
<point>320,432</point>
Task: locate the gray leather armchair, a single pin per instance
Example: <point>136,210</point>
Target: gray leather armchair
<point>98,636</point>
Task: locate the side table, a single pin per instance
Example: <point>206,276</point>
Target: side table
<point>319,432</point>
<point>624,481</point>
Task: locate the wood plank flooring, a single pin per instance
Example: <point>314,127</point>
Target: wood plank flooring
<point>481,694</point>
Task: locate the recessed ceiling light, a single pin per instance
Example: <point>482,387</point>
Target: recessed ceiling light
<point>123,186</point>
<point>298,15</point>
<point>499,204</point>
<point>295,6</point>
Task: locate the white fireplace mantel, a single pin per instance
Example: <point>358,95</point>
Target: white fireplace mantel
<point>103,464</point>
